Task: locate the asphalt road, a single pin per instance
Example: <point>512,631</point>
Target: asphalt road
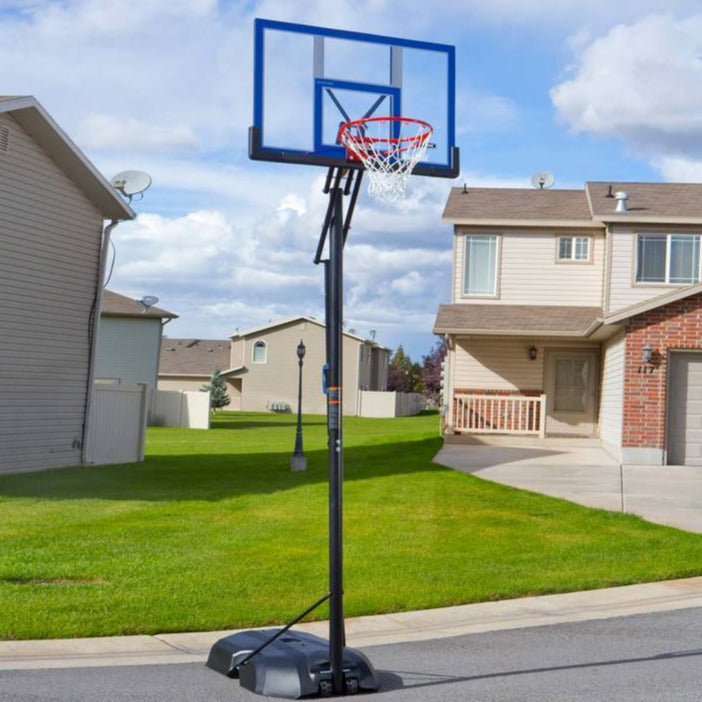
<point>656,657</point>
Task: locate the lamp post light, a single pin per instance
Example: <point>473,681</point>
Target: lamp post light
<point>298,461</point>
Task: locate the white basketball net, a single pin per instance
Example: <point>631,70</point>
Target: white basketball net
<point>389,148</point>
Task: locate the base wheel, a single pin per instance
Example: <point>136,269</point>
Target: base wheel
<point>325,688</point>
<point>352,686</point>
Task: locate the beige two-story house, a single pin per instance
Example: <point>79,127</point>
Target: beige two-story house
<point>260,366</point>
<point>578,313</point>
<point>53,208</point>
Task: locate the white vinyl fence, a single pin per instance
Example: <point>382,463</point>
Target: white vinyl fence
<point>177,408</point>
<point>373,403</point>
<point>117,426</point>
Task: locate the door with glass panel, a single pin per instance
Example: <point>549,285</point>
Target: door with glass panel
<point>571,392</point>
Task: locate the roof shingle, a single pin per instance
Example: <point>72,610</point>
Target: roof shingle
<point>543,320</point>
<point>116,305</point>
<point>516,204</point>
<point>193,356</point>
<point>648,199</point>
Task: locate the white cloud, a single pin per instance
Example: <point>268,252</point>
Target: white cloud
<point>679,169</point>
<point>411,283</point>
<point>98,131</point>
<point>165,86</point>
<point>642,83</point>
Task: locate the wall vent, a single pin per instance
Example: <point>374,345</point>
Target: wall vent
<point>4,138</point>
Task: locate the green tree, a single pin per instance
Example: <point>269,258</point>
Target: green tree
<point>431,371</point>
<point>403,374</point>
<point>218,391</point>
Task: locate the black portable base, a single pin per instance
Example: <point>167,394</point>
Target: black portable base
<point>283,662</point>
<point>293,666</point>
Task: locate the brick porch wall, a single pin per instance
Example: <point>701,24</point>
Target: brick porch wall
<point>677,325</point>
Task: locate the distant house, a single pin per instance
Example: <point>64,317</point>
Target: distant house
<point>578,313</point>
<point>187,364</point>
<point>53,203</point>
<point>129,341</point>
<point>261,367</point>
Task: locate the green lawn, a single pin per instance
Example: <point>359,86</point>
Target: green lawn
<point>213,531</point>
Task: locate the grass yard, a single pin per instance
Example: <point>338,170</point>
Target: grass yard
<point>213,531</point>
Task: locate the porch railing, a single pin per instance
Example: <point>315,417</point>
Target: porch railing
<point>500,414</point>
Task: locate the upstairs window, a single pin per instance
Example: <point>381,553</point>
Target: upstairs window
<point>480,266</point>
<point>260,352</point>
<point>574,248</point>
<point>668,258</point>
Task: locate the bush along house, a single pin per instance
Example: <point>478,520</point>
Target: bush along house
<point>578,313</point>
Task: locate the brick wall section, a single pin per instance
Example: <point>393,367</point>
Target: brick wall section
<point>677,325</point>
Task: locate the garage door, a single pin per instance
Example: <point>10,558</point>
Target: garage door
<point>685,409</point>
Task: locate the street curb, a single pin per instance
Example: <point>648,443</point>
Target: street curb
<point>375,630</point>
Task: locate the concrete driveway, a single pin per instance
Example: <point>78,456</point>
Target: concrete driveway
<point>582,472</point>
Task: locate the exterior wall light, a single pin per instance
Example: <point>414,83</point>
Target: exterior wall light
<point>647,353</point>
<point>533,353</point>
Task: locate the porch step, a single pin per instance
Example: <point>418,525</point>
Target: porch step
<point>507,440</point>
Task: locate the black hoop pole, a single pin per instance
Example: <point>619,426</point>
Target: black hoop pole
<point>334,429</point>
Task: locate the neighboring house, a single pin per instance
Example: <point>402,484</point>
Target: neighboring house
<point>261,369</point>
<point>578,313</point>
<point>53,203</point>
<point>187,364</point>
<point>129,341</point>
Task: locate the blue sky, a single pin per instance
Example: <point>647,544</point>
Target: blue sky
<point>589,91</point>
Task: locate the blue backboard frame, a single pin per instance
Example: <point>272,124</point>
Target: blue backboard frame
<point>323,154</point>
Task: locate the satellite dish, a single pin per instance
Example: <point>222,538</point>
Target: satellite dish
<point>147,301</point>
<point>542,179</point>
<point>131,183</point>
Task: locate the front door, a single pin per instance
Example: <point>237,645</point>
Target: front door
<point>571,392</point>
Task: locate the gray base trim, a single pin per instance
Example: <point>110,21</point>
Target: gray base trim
<point>614,451</point>
<point>642,456</point>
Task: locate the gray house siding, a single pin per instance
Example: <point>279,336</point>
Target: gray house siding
<point>49,250</point>
<point>128,350</point>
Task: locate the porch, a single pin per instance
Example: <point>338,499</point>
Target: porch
<point>486,413</point>
<point>514,388</point>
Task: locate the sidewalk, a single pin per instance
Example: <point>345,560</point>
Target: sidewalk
<point>368,631</point>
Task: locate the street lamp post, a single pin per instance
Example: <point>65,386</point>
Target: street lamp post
<point>298,461</point>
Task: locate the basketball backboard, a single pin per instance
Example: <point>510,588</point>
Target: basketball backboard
<point>308,81</point>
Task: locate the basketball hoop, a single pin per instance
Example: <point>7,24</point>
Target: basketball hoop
<point>389,148</point>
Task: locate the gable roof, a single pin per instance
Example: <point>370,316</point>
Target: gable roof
<point>652,303</point>
<point>475,205</point>
<point>37,122</point>
<point>294,320</point>
<point>662,203</point>
<point>194,356</point>
<point>116,305</point>
<point>517,320</point>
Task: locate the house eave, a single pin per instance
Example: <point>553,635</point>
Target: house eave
<point>37,122</point>
<point>525,223</point>
<point>582,334</point>
<point>632,218</point>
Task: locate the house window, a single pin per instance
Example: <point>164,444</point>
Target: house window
<point>573,248</point>
<point>260,352</point>
<point>668,258</point>
<point>571,385</point>
<point>480,268</point>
